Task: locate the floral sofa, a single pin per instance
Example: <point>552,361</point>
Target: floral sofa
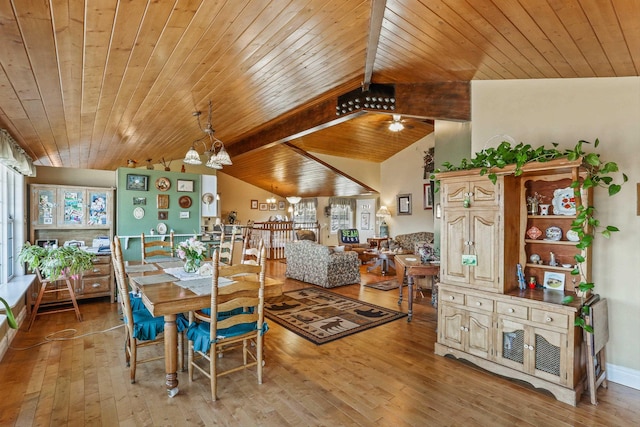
<point>320,265</point>
<point>411,242</point>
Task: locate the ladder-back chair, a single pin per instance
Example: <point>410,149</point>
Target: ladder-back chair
<point>156,249</point>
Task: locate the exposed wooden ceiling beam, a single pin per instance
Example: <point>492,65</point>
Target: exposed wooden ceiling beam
<point>375,27</point>
<point>434,100</point>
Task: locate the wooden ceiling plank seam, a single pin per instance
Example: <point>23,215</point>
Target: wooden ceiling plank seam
<point>627,13</point>
<point>179,21</point>
<point>573,18</point>
<point>126,26</point>
<point>455,42</point>
<point>35,26</point>
<point>605,23</point>
<point>555,31</point>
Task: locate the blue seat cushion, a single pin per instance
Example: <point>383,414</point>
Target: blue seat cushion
<point>146,327</point>
<point>136,301</point>
<point>199,333</point>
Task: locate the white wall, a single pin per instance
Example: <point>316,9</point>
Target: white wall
<point>564,111</point>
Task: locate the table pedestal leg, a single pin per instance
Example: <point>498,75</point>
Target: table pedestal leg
<point>171,354</point>
<point>410,297</point>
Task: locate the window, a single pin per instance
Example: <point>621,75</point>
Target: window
<point>342,210</point>
<point>11,207</point>
<point>304,211</point>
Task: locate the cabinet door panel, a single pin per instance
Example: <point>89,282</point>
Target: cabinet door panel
<point>511,343</point>
<point>485,238</point>
<point>452,332</point>
<point>455,235</point>
<point>454,193</point>
<point>485,193</point>
<point>550,355</point>
<point>44,207</point>
<point>73,207</point>
<point>479,334</point>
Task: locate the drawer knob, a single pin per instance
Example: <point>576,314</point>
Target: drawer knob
<point>96,270</point>
<point>478,303</point>
<point>462,328</point>
<point>549,319</point>
<point>96,285</point>
<point>511,310</point>
<point>452,297</point>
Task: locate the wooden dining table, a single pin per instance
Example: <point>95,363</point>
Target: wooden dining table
<point>167,298</point>
<point>411,266</point>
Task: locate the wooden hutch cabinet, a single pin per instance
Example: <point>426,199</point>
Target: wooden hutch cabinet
<point>60,213</point>
<point>483,315</point>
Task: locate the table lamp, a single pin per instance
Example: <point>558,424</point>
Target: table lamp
<point>383,212</point>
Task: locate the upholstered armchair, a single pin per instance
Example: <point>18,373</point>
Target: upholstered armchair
<point>350,238</point>
<point>320,265</point>
<point>411,242</point>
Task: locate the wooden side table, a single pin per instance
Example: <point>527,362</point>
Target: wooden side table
<point>378,241</point>
<point>411,266</point>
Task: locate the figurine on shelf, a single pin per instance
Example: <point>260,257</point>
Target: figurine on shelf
<point>552,260</point>
<point>533,202</point>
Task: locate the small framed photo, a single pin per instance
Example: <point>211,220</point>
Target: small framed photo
<point>553,280</point>
<point>163,215</point>
<point>428,196</point>
<point>184,214</point>
<point>404,204</point>
<point>163,201</point>
<point>137,182</point>
<point>281,205</point>
<point>264,206</point>
<point>254,204</point>
<point>46,242</point>
<point>139,201</point>
<point>273,206</point>
<point>184,185</point>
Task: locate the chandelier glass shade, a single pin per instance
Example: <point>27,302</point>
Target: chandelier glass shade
<point>294,199</point>
<point>396,125</point>
<point>217,155</point>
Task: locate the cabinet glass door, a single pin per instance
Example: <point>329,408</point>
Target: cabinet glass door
<point>73,207</point>
<point>98,208</point>
<point>46,206</point>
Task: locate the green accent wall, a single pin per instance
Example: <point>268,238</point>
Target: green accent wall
<point>128,225</point>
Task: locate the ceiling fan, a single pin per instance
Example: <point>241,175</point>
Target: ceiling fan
<point>396,124</point>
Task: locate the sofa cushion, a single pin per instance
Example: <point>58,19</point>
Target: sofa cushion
<point>305,235</point>
<point>407,242</point>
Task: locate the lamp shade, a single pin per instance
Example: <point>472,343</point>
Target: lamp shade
<point>192,157</point>
<point>382,212</point>
<point>294,199</point>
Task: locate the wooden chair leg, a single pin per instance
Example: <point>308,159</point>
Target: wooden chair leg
<point>34,311</point>
<point>73,300</point>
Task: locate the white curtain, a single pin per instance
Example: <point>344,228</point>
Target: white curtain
<point>11,155</point>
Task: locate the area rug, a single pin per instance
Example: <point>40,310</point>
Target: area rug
<point>386,285</point>
<point>321,316</point>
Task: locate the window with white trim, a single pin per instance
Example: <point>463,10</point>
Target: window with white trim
<point>342,212</point>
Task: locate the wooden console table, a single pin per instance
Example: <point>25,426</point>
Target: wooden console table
<point>411,266</point>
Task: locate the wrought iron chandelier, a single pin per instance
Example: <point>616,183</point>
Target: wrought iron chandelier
<point>216,153</point>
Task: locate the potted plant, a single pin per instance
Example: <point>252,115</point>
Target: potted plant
<point>599,174</point>
<point>7,311</point>
<point>56,263</point>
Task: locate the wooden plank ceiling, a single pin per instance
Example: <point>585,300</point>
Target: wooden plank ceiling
<point>90,84</point>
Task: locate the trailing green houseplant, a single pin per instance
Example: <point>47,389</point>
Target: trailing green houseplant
<point>56,263</point>
<point>598,174</point>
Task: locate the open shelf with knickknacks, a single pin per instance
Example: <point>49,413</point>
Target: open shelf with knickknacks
<point>487,313</point>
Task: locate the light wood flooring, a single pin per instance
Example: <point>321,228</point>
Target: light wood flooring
<point>385,376</point>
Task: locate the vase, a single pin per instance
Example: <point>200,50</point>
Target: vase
<point>191,265</point>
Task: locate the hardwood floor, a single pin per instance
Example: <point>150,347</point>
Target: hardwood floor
<point>384,376</point>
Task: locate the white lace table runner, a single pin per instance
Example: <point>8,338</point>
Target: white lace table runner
<point>140,268</point>
<point>202,285</point>
<point>153,279</point>
<point>170,264</point>
<point>183,275</point>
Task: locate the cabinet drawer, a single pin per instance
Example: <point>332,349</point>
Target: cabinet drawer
<point>452,297</point>
<point>514,310</point>
<point>98,270</point>
<point>101,260</point>
<point>485,304</point>
<point>558,320</point>
<point>96,285</point>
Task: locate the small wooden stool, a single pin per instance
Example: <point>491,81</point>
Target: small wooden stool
<point>44,290</point>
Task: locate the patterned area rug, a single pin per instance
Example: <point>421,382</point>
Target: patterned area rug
<point>387,285</point>
<point>322,316</point>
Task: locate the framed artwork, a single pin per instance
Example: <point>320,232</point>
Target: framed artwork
<point>137,182</point>
<point>163,215</point>
<point>254,204</point>
<point>163,201</point>
<point>428,196</point>
<point>553,280</point>
<point>365,221</point>
<point>273,206</point>
<point>139,201</point>
<point>281,205</point>
<point>404,204</point>
<point>263,207</point>
<point>163,183</point>
<point>184,185</point>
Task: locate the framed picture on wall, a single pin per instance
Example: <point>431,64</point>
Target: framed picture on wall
<point>273,206</point>
<point>254,204</point>
<point>163,215</point>
<point>264,206</point>
<point>365,221</point>
<point>428,196</point>
<point>139,200</point>
<point>281,205</point>
<point>404,204</point>
<point>163,201</point>
<point>137,182</point>
<point>184,185</point>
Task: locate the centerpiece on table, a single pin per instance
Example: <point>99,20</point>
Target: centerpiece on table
<point>192,251</point>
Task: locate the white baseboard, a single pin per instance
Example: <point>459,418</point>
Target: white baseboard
<point>623,376</point>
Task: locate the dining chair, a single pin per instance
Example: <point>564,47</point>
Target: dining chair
<point>251,255</point>
<point>225,252</point>
<point>156,249</point>
<point>141,328</point>
<point>235,320</point>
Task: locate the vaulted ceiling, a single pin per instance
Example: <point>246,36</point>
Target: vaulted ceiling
<point>90,84</point>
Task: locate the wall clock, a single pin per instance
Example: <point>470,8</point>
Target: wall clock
<point>163,184</point>
<point>138,213</point>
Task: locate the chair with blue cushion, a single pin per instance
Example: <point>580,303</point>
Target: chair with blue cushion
<point>234,320</point>
<point>141,328</point>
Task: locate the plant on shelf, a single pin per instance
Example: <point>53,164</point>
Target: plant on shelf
<point>54,263</point>
<point>598,174</point>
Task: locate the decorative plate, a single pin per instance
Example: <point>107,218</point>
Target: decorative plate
<point>163,184</point>
<point>184,202</point>
<point>564,201</point>
<point>162,228</point>
<point>553,233</point>
<point>534,232</point>
<point>572,236</point>
<point>138,213</point>
<point>207,198</point>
